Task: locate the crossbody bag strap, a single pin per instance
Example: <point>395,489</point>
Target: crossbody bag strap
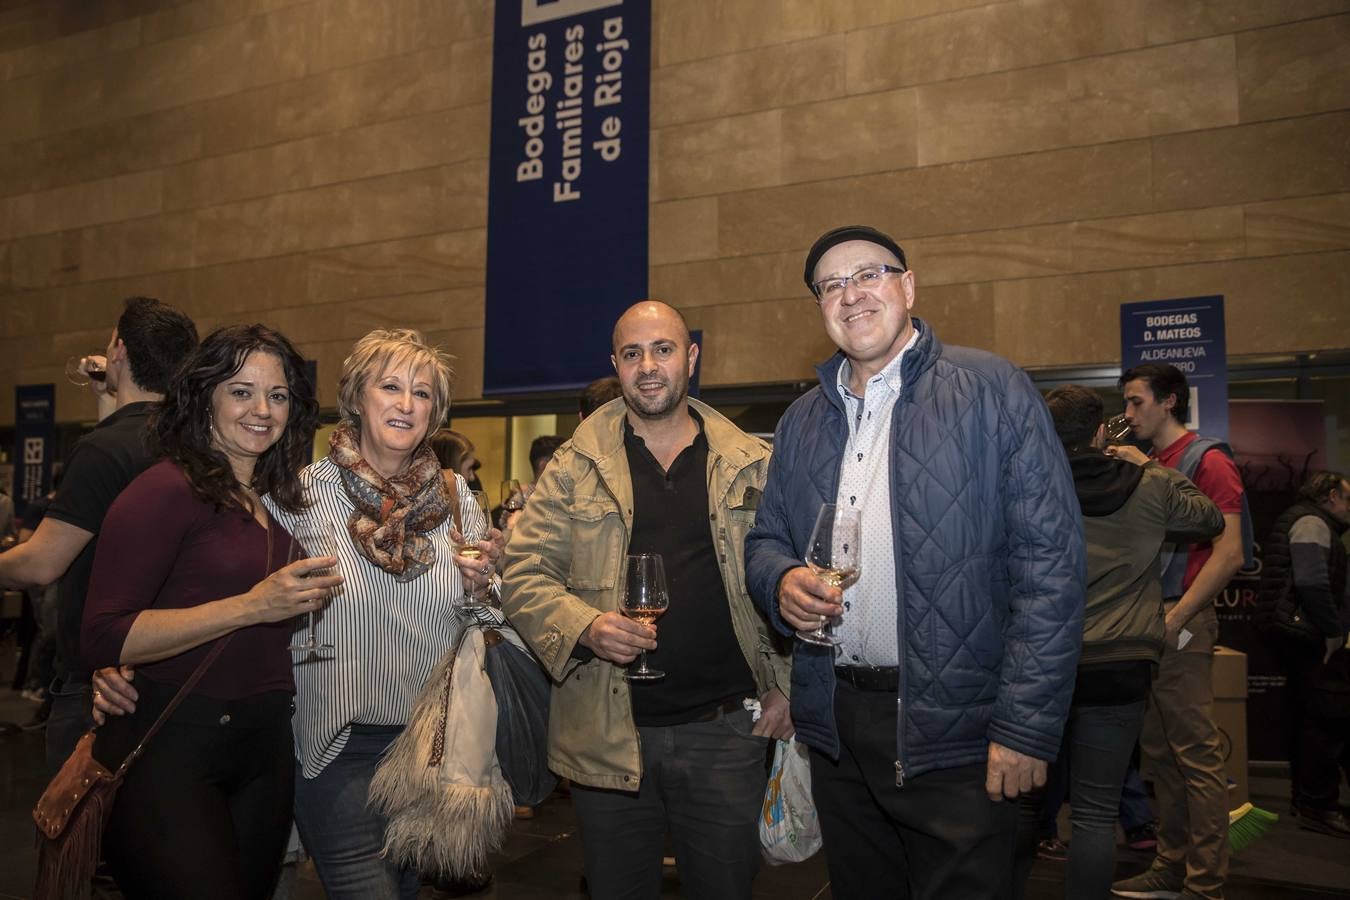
<point>196,675</point>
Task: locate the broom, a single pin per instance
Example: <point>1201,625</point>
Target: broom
<point>1247,824</point>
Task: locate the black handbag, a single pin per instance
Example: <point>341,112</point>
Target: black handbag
<point>522,690</point>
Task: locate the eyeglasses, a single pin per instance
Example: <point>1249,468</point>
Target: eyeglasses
<point>864,279</point>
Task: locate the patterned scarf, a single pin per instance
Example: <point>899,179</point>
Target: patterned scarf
<point>392,515</point>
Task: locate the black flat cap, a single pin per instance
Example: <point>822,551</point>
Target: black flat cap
<point>849,233</point>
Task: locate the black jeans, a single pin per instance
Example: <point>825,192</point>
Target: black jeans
<point>206,812</point>
<point>1318,721</point>
<point>938,837</point>
<point>703,783</point>
<point>71,716</point>
<point>1093,761</point>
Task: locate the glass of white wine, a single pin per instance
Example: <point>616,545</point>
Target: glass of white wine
<point>832,556</point>
<point>308,540</point>
<point>474,598</point>
<point>645,599</point>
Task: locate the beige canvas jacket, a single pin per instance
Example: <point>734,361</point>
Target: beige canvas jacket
<point>562,570</point>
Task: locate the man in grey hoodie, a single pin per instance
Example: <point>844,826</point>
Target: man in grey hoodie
<point>1129,511</point>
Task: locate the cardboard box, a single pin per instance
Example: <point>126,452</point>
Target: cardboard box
<point>1229,675</point>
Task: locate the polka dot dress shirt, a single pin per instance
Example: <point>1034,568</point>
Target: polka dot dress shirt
<point>867,629</point>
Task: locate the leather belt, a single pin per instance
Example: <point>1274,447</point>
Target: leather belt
<point>866,678</point>
<point>724,708</point>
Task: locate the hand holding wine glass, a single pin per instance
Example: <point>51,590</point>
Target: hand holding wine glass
<point>1118,429</point>
<point>85,370</point>
<point>832,556</point>
<point>309,540</point>
<point>467,547</point>
<point>645,599</point>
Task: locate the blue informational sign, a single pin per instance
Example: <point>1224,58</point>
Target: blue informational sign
<point>1189,334</point>
<point>34,442</point>
<point>567,187</point>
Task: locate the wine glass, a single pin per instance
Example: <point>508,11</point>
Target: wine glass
<point>1118,429</point>
<point>80,375</point>
<point>513,495</point>
<point>308,540</point>
<point>832,556</point>
<point>513,500</point>
<point>467,547</point>
<point>645,600</point>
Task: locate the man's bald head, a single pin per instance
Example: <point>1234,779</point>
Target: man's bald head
<point>654,358</point>
<point>652,311</point>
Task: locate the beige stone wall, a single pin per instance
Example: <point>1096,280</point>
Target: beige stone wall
<point>321,165</point>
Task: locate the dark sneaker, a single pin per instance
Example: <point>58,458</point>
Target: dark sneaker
<point>1143,837</point>
<point>1156,883</point>
<point>1324,821</point>
<point>1052,849</point>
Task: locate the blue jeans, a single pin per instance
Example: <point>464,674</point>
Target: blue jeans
<point>341,833</point>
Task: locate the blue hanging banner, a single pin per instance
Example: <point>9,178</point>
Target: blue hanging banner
<point>1189,334</point>
<point>34,442</point>
<point>567,187</point>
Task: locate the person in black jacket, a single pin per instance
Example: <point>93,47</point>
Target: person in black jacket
<point>1303,583</point>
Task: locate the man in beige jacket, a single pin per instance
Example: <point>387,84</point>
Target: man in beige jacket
<point>655,472</point>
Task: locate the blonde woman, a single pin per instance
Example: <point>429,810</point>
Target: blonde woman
<point>381,489</point>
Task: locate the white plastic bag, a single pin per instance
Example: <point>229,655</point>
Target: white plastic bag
<point>789,831</point>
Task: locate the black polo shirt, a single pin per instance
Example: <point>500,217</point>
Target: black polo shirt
<point>697,646</point>
<point>103,463</point>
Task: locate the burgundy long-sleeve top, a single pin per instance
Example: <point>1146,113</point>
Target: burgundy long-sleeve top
<point>163,548</point>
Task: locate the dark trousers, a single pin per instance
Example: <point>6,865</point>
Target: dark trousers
<point>703,783</point>
<point>206,812</point>
<point>938,837</point>
<point>1095,757</point>
<point>1318,722</point>
<point>71,716</point>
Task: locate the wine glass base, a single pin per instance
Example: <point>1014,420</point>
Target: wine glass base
<point>650,675</point>
<point>820,640</point>
<point>314,651</point>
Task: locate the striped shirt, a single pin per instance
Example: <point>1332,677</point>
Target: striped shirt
<point>386,635</point>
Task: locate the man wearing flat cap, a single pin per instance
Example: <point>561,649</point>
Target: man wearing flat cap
<point>947,692</point>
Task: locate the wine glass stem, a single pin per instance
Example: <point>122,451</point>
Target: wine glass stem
<point>642,663</point>
<point>311,638</point>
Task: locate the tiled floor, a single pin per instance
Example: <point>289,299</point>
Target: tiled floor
<point>542,857</point>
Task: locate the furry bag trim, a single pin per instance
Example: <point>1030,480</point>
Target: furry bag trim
<point>447,803</point>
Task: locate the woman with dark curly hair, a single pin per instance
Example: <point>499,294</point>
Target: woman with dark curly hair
<point>189,559</point>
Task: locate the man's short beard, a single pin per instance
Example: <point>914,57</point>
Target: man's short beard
<point>676,396</point>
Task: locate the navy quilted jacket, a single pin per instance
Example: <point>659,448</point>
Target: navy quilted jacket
<point>988,549</point>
